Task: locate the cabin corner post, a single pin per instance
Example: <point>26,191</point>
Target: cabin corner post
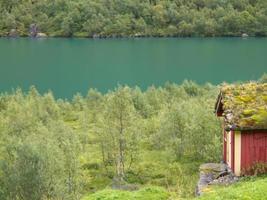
<point>224,146</point>
<point>237,166</point>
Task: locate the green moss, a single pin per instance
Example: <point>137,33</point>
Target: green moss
<point>264,97</point>
<point>248,112</point>
<point>245,99</point>
<point>247,104</point>
<point>260,118</point>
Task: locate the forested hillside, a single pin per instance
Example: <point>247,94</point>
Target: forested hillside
<point>149,141</point>
<point>126,138</point>
<point>115,18</point>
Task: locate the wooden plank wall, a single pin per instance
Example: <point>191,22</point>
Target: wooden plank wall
<point>253,148</point>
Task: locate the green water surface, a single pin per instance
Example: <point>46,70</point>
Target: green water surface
<point>68,66</point>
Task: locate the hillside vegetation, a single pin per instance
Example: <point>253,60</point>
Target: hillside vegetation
<point>253,188</point>
<point>114,18</point>
<point>247,189</point>
<point>63,149</point>
<point>149,142</point>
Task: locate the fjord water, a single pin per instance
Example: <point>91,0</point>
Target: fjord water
<point>68,66</point>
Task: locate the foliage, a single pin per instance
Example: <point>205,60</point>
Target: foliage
<point>62,149</point>
<point>99,18</point>
<point>249,188</point>
<point>263,79</point>
<point>39,153</point>
<point>119,134</point>
<point>258,168</point>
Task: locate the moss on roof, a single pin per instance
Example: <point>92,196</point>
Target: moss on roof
<point>245,105</point>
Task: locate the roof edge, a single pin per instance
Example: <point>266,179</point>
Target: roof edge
<point>246,129</point>
<point>218,103</point>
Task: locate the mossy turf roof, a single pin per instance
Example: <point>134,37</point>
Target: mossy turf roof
<point>245,105</point>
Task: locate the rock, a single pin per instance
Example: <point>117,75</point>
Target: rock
<point>244,35</point>
<point>214,173</point>
<point>33,30</point>
<point>13,33</point>
<point>215,168</point>
<point>225,180</point>
<point>41,35</point>
<point>225,173</point>
<point>95,36</point>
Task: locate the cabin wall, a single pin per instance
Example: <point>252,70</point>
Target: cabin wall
<point>244,149</point>
<point>237,153</point>
<point>224,146</point>
<point>232,150</point>
<point>253,148</point>
<point>229,148</point>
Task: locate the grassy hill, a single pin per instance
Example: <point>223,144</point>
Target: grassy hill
<point>249,188</point>
<point>253,188</point>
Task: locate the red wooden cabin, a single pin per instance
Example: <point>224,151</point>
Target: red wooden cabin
<point>244,111</point>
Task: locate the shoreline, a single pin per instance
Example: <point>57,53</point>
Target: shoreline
<point>130,37</point>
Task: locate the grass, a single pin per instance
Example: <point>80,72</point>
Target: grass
<point>247,189</point>
<point>252,188</point>
<point>148,193</point>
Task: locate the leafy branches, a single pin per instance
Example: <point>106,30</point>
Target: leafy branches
<point>61,149</point>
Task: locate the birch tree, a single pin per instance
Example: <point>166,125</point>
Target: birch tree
<point>120,131</point>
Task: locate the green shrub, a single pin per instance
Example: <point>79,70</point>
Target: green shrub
<point>256,169</point>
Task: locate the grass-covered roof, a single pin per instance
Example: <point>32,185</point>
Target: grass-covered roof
<point>245,105</point>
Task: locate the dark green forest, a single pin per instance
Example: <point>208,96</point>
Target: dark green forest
<point>134,18</point>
